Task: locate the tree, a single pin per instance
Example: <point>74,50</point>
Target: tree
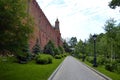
<point>66,46</point>
<point>114,3</point>
<point>15,29</point>
<point>36,48</point>
<point>61,49</point>
<point>73,42</point>
<point>78,48</point>
<point>110,29</point>
<point>49,48</point>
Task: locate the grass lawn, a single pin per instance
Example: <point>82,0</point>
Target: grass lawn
<point>29,71</point>
<point>112,75</point>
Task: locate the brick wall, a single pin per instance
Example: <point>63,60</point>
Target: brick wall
<point>43,30</point>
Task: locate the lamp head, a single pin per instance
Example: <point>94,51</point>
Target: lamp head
<point>94,36</point>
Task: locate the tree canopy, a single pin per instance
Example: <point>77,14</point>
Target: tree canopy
<point>73,41</point>
<point>15,25</point>
<point>114,3</point>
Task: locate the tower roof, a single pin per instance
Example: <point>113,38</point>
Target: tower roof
<point>57,24</point>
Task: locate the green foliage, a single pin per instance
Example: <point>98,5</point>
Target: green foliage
<point>73,42</point>
<point>107,46</point>
<point>58,56</point>
<point>31,71</point>
<point>114,3</point>
<point>49,48</point>
<point>25,56</point>
<point>117,68</point>
<point>57,51</point>
<point>43,59</point>
<point>78,49</point>
<point>109,67</point>
<point>36,49</point>
<point>61,49</point>
<point>101,60</point>
<point>89,59</point>
<point>113,66</point>
<point>112,75</point>
<point>15,26</point>
<point>66,47</point>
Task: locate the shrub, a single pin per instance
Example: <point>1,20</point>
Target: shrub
<point>89,59</point>
<point>50,59</point>
<point>80,55</point>
<point>65,54</point>
<point>112,66</point>
<point>101,60</point>
<point>58,57</point>
<point>109,67</point>
<point>43,59</point>
<point>57,51</point>
<point>49,48</point>
<point>61,49</point>
<point>36,49</point>
<point>23,57</point>
<point>117,69</point>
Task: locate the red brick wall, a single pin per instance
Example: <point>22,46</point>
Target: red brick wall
<point>43,31</point>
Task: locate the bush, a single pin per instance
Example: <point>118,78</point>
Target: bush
<point>58,57</point>
<point>43,59</point>
<point>57,51</point>
<point>61,49</point>
<point>23,57</point>
<point>65,54</point>
<point>101,60</point>
<point>90,59</point>
<point>109,67</point>
<point>112,66</point>
<point>117,69</point>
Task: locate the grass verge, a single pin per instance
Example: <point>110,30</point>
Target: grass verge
<point>112,75</point>
<point>30,71</point>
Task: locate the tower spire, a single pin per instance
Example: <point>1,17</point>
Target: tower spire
<point>57,24</point>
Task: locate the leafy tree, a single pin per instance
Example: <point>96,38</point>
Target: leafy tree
<point>49,48</point>
<point>89,45</point>
<point>73,42</point>
<point>15,26</point>
<point>111,34</point>
<point>78,48</point>
<point>102,44</point>
<point>114,3</point>
<point>66,47</point>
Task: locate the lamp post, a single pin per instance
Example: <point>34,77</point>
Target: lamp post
<point>95,59</point>
<point>83,57</point>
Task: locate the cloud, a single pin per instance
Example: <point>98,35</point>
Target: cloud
<point>78,17</point>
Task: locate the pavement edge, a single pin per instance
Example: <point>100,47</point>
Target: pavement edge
<point>99,73</point>
<point>55,71</point>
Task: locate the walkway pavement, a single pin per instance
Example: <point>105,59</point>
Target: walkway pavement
<point>72,69</point>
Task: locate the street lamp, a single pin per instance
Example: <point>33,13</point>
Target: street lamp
<point>83,57</point>
<point>95,59</point>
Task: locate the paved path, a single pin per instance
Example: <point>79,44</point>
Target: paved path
<point>72,69</point>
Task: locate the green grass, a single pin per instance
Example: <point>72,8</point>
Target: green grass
<point>112,75</point>
<point>29,71</point>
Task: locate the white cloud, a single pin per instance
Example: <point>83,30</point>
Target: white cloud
<point>78,17</point>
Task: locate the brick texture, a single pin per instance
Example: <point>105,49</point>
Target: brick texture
<point>43,30</point>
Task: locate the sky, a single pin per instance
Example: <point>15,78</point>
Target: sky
<point>79,18</point>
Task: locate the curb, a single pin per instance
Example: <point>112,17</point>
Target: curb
<point>99,73</point>
<point>55,71</point>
